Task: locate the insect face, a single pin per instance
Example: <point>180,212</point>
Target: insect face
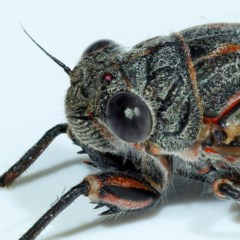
<point>170,104</point>
<point>143,96</point>
<point>101,105</point>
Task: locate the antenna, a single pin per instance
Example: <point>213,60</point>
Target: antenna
<point>62,65</point>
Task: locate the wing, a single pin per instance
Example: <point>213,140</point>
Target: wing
<point>215,51</point>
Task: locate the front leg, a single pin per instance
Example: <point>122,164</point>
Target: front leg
<point>106,161</point>
<point>31,155</point>
<point>120,192</point>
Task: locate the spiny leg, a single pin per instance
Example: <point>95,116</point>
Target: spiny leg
<point>63,202</point>
<point>105,161</point>
<point>119,192</point>
<point>230,191</point>
<point>227,187</point>
<point>31,155</point>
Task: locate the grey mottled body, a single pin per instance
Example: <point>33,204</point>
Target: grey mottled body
<point>159,72</point>
<point>169,106</point>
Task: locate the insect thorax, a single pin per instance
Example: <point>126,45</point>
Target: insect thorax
<point>155,71</point>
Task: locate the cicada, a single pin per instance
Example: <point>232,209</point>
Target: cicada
<point>168,106</point>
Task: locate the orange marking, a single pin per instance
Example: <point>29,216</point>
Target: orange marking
<point>128,83</point>
<point>126,182</point>
<point>191,71</point>
<point>149,147</point>
<point>229,151</point>
<point>230,154</point>
<point>207,120</point>
<point>204,170</point>
<point>153,149</point>
<point>142,53</point>
<point>217,184</point>
<point>231,104</point>
<point>191,68</point>
<point>126,204</point>
<point>165,164</point>
<point>87,162</point>
<point>210,150</point>
<point>231,159</point>
<point>220,51</point>
<point>228,48</point>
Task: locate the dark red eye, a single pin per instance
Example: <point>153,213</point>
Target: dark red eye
<point>90,114</point>
<point>107,76</point>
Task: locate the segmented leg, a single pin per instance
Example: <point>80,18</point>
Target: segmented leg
<point>126,187</point>
<point>107,161</point>
<point>119,192</point>
<point>63,202</point>
<point>227,188</point>
<point>103,160</point>
<point>31,155</point>
<point>223,131</point>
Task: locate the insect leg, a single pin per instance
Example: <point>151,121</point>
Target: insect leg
<point>107,161</point>
<point>122,192</point>
<point>80,189</point>
<point>31,155</point>
<point>118,191</point>
<point>227,188</point>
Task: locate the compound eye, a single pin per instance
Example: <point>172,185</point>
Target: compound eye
<point>129,117</point>
<point>100,44</point>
